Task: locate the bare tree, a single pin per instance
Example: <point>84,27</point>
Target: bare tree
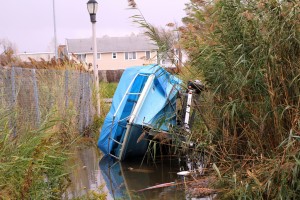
<point>7,55</point>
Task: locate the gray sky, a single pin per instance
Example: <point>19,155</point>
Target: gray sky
<point>29,23</point>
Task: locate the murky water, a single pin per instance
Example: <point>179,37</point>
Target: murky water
<point>125,180</point>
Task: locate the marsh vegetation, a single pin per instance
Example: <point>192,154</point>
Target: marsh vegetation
<point>248,55</point>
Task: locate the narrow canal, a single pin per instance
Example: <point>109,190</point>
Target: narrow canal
<point>126,180</point>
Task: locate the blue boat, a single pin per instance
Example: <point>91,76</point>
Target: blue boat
<point>145,99</point>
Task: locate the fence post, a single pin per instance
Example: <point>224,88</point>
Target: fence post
<point>67,89</point>
<point>88,97</point>
<point>82,107</point>
<point>13,101</point>
<point>36,98</point>
<point>80,101</point>
<point>91,100</point>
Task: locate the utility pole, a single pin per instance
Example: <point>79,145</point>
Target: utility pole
<point>55,36</point>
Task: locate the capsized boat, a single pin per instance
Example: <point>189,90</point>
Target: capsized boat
<point>144,99</point>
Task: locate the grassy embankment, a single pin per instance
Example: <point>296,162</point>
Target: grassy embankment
<point>107,91</point>
<point>35,164</point>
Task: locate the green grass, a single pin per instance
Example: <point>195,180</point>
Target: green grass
<point>98,194</point>
<point>107,90</point>
<point>33,163</point>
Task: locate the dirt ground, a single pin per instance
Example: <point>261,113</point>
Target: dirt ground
<point>199,187</point>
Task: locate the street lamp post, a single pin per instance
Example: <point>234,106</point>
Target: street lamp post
<point>92,7</point>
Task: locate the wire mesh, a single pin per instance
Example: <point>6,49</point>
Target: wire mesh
<point>30,95</point>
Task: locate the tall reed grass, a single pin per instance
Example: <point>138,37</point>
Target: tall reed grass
<point>249,54</point>
<point>33,163</point>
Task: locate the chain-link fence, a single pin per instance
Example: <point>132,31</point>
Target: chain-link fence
<point>29,96</point>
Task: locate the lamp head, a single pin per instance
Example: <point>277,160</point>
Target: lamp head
<point>92,7</point>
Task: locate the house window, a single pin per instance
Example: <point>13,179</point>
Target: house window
<point>130,55</point>
<point>114,55</point>
<point>148,55</point>
<point>98,56</point>
<point>81,57</point>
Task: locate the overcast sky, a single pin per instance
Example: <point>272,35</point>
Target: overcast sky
<point>29,23</point>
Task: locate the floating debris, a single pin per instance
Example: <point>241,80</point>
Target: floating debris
<point>183,173</point>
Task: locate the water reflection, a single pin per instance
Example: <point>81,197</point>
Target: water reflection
<point>124,180</point>
<point>86,174</point>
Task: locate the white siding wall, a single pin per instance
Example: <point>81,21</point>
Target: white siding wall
<point>37,56</point>
<point>106,62</point>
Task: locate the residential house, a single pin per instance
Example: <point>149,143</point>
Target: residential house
<point>46,56</point>
<point>173,59</point>
<point>114,53</point>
